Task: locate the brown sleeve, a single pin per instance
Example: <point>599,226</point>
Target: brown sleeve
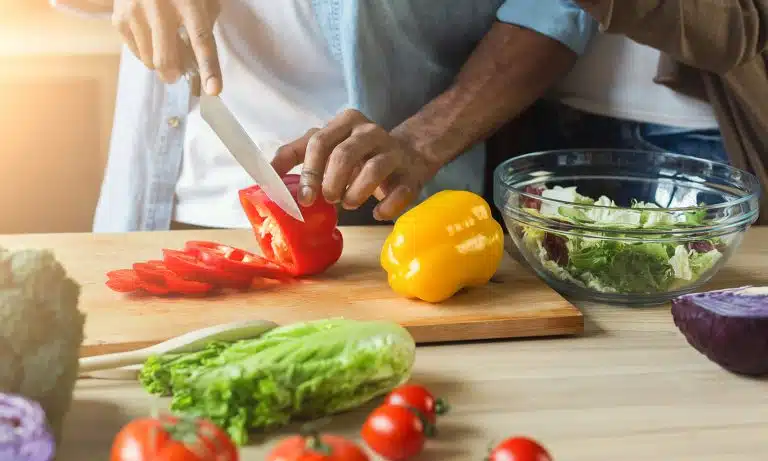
<point>713,35</point>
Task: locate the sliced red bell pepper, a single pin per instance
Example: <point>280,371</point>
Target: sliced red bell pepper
<point>302,248</point>
<point>123,280</point>
<point>128,281</point>
<point>231,259</point>
<point>157,274</point>
<point>190,267</point>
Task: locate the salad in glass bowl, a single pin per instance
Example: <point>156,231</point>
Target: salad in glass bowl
<point>624,227</point>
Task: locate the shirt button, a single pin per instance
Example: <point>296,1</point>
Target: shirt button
<point>173,122</point>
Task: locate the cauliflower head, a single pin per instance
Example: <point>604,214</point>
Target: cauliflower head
<point>41,331</point>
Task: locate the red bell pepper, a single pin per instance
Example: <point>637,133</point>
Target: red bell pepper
<point>302,248</point>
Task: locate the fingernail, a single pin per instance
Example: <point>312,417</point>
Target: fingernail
<point>307,194</point>
<point>211,85</point>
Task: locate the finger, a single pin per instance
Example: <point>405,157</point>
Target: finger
<point>350,153</point>
<point>165,43</point>
<point>199,25</point>
<point>292,154</point>
<point>395,202</point>
<point>319,148</point>
<point>120,16</point>
<point>372,175</point>
<point>142,36</point>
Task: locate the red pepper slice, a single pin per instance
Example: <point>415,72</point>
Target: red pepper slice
<point>302,248</point>
<point>156,273</point>
<point>232,259</point>
<point>190,267</point>
<point>128,281</point>
<point>123,280</point>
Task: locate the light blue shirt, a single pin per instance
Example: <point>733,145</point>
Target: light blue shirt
<point>396,56</point>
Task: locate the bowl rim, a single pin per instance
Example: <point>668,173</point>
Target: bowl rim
<point>755,191</point>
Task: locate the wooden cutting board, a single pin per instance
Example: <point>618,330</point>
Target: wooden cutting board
<point>516,304</point>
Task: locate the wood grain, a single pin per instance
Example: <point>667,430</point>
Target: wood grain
<point>630,388</point>
<point>517,305</point>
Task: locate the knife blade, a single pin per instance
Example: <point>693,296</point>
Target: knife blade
<point>247,153</point>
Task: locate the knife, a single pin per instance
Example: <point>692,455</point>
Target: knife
<point>240,145</point>
<point>247,153</point>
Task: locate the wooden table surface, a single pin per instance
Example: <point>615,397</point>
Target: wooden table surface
<point>630,389</point>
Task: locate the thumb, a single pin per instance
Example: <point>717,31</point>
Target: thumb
<point>291,154</point>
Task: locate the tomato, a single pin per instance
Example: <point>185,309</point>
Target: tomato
<point>519,449</point>
<point>231,259</point>
<point>313,447</point>
<point>418,398</point>
<point>302,248</point>
<point>190,267</point>
<point>395,432</point>
<point>156,273</point>
<point>168,438</point>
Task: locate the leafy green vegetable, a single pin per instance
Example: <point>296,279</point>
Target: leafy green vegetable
<point>601,260</point>
<point>300,371</point>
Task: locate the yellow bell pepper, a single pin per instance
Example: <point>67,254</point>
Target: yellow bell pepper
<point>448,242</point>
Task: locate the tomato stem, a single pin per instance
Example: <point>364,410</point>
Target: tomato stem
<point>430,430</point>
<point>441,407</point>
<point>312,439</point>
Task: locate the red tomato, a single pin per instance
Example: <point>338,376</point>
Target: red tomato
<point>395,432</point>
<point>519,449</point>
<point>169,439</point>
<point>317,448</point>
<point>231,259</point>
<point>418,398</point>
<point>190,267</point>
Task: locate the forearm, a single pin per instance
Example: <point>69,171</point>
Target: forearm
<point>712,35</point>
<point>509,70</point>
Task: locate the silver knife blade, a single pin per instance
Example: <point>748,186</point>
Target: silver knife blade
<point>247,153</point>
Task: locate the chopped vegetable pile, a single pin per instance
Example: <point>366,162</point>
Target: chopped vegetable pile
<point>298,371</point>
<point>602,261</point>
<point>291,248</point>
<point>200,268</point>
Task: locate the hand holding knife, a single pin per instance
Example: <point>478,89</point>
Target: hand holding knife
<point>237,141</point>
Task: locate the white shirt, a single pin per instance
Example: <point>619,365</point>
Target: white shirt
<point>279,80</point>
<point>615,79</point>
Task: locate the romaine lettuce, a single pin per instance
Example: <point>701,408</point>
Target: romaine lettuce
<point>300,371</point>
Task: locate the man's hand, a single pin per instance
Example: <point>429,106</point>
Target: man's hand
<point>352,158</point>
<point>151,28</point>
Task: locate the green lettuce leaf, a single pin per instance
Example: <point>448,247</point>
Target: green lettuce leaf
<point>300,371</point>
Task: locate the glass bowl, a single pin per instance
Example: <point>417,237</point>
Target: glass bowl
<point>622,226</point>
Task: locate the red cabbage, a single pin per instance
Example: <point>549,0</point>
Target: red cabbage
<point>728,326</point>
<point>24,432</point>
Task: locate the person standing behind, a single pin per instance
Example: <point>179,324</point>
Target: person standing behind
<point>685,76</point>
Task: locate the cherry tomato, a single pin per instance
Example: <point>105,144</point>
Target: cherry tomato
<point>395,432</point>
<point>519,449</point>
<point>317,448</point>
<point>168,438</point>
<point>418,398</point>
